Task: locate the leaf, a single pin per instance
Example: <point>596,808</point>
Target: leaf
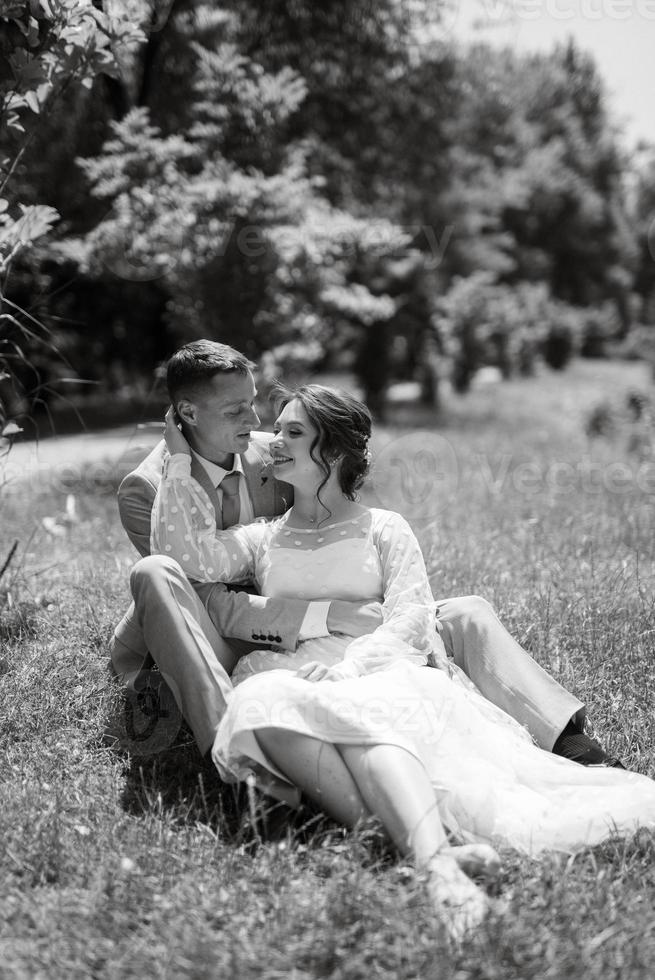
<point>47,9</point>
<point>32,101</point>
<point>13,122</point>
<point>35,221</point>
<point>33,32</point>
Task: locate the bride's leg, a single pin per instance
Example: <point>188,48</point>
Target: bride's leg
<point>395,787</point>
<point>389,776</point>
<point>351,781</point>
<point>317,768</point>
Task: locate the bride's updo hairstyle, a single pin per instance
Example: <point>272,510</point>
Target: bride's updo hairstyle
<point>343,424</point>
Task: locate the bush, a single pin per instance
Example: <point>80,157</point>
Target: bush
<point>558,346</point>
<point>639,345</point>
<point>484,323</point>
<point>599,326</point>
<point>632,420</point>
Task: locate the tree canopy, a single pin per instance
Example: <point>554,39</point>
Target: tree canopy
<point>315,183</point>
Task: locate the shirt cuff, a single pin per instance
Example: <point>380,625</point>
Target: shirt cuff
<point>178,465</point>
<point>315,622</point>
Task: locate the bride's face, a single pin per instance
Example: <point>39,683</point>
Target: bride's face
<point>290,449</point>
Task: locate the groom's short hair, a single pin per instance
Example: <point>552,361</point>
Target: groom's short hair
<point>195,364</point>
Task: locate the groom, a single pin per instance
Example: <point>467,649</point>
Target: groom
<point>195,632</point>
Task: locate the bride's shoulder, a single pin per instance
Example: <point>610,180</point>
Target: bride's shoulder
<point>259,529</point>
<point>273,525</point>
<point>389,520</point>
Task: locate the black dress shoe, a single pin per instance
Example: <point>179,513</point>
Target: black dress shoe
<point>575,745</point>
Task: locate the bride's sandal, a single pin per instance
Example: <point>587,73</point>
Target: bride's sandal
<point>458,902</point>
<point>477,860</point>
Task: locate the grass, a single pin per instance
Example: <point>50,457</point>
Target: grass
<point>124,865</point>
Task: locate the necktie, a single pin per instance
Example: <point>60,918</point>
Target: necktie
<point>231,503</point>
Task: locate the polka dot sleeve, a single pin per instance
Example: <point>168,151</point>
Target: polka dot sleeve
<point>183,526</point>
<point>408,630</point>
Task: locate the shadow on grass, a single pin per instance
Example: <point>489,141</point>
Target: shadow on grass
<point>185,785</point>
<point>166,775</point>
<point>17,619</point>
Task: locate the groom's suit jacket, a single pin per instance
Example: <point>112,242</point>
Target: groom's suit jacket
<point>236,613</point>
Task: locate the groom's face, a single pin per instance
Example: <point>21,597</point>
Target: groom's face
<point>222,414</point>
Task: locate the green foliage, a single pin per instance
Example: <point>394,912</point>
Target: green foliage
<point>258,168</point>
<point>537,191</point>
<point>240,109</point>
<point>481,322</point>
<point>225,214</point>
<point>46,48</point>
<point>627,422</point>
<point>19,233</point>
<point>51,45</point>
<point>643,218</point>
<point>376,99</point>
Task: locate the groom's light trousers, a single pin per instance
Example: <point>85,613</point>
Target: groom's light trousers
<point>171,621</point>
<point>502,670</point>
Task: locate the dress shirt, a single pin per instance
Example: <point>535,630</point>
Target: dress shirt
<point>216,474</point>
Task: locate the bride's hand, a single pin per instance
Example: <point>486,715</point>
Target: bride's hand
<point>175,441</point>
<point>315,671</point>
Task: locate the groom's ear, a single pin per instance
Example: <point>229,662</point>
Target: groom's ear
<point>187,412</point>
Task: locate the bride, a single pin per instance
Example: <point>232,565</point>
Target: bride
<point>361,726</point>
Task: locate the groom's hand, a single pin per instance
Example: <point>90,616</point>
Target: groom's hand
<point>354,618</point>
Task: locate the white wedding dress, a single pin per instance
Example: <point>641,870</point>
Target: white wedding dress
<point>492,783</point>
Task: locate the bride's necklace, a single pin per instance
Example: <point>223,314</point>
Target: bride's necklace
<point>314,519</point>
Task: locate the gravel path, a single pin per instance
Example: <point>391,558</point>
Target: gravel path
<point>93,458</point>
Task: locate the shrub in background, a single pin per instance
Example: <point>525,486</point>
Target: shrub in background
<point>599,326</point>
<point>481,322</point>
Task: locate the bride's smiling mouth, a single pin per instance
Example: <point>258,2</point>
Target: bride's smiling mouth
<point>280,460</point>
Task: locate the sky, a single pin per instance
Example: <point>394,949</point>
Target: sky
<point>619,33</point>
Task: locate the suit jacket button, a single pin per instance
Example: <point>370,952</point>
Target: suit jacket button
<point>271,638</point>
<point>278,639</point>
